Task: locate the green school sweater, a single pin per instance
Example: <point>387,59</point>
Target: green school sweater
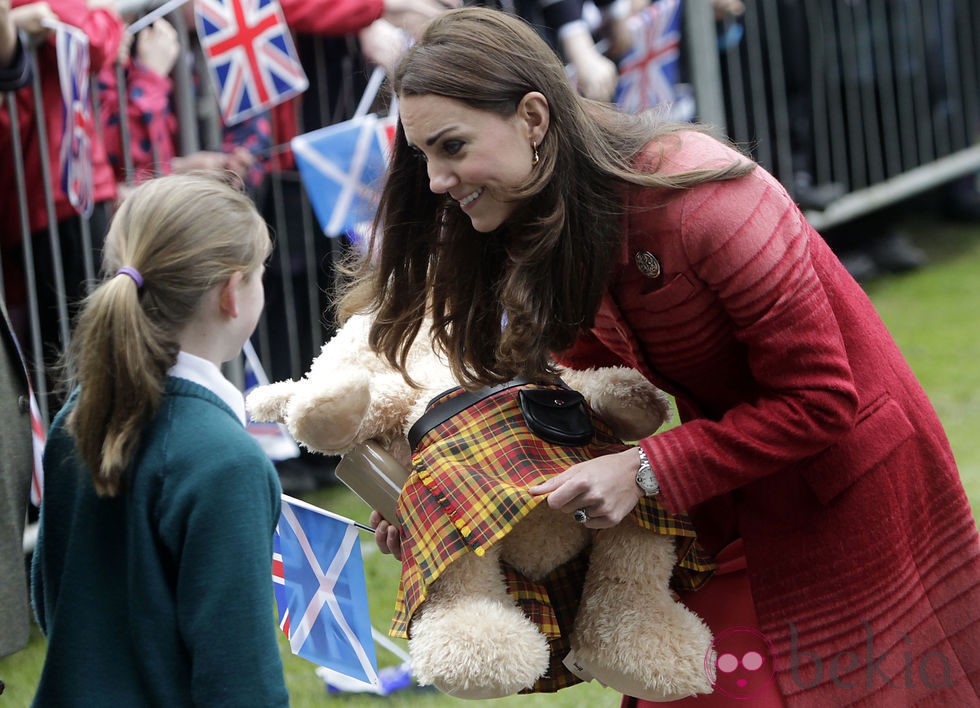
<point>161,596</point>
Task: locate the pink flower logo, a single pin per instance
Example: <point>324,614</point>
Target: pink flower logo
<point>741,661</point>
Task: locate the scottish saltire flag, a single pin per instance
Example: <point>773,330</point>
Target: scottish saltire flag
<point>38,438</point>
<point>273,438</point>
<point>650,71</point>
<point>250,55</point>
<point>342,167</point>
<point>75,158</point>
<point>321,593</point>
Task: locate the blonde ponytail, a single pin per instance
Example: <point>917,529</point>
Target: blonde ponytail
<point>181,235</point>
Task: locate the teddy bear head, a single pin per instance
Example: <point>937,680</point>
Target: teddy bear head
<point>350,395</point>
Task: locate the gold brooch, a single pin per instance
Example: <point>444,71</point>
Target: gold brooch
<point>648,264</point>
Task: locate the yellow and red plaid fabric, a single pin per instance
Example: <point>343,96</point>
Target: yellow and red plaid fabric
<point>467,490</point>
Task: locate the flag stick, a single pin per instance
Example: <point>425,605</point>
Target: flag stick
<point>370,91</point>
<point>390,645</point>
<point>151,17</point>
<point>272,150</point>
<point>299,502</point>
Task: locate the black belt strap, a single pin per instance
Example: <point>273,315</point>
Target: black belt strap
<point>446,410</point>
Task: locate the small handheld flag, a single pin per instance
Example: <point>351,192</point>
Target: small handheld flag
<point>321,592</point>
<point>341,167</point>
<point>38,440</point>
<point>250,55</point>
<point>650,71</point>
<point>75,158</point>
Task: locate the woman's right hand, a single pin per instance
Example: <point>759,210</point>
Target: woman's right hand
<point>386,535</point>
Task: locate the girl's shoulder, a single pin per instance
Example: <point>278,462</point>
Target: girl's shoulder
<point>183,393</point>
<point>195,423</point>
<point>197,447</point>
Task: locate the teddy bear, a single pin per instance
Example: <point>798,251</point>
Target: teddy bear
<point>469,635</point>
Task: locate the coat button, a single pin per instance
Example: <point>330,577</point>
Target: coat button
<point>23,404</point>
<point>647,264</point>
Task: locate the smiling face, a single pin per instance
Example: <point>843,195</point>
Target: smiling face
<point>477,157</point>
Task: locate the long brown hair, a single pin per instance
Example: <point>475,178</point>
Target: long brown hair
<point>543,272</point>
<point>184,235</point>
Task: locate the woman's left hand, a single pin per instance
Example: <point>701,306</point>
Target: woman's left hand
<point>605,488</point>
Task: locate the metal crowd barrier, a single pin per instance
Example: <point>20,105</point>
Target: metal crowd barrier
<point>878,97</point>
<point>295,323</point>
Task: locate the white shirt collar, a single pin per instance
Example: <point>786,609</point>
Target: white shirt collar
<point>206,374</point>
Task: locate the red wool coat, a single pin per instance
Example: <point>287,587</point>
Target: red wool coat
<point>804,433</point>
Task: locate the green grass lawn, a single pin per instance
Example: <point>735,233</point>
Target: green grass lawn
<point>934,315</point>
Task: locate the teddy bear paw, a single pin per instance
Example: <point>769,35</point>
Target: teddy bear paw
<point>664,657</point>
<point>328,421</point>
<point>267,404</point>
<point>459,650</point>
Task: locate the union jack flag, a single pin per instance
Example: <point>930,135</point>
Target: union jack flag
<point>650,71</point>
<point>279,584</point>
<point>250,54</point>
<point>38,439</point>
<point>75,157</point>
<point>321,591</point>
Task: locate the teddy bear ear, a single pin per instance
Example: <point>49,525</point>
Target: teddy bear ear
<point>267,404</point>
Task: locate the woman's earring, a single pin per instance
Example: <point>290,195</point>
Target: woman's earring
<point>535,159</point>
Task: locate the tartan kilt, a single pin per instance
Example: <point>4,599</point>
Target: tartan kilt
<point>468,488</point>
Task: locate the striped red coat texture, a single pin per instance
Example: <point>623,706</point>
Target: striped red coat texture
<point>804,432</point>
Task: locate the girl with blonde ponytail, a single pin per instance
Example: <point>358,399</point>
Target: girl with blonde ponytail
<point>151,572</point>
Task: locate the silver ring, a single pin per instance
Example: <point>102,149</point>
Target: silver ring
<point>581,516</point>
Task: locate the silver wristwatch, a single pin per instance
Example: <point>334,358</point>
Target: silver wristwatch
<point>645,479</point>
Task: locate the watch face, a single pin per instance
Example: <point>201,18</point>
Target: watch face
<point>647,481</point>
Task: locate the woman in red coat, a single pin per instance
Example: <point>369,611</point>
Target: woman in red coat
<point>809,458</point>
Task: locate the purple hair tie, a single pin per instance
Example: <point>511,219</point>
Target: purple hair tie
<point>132,273</point>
